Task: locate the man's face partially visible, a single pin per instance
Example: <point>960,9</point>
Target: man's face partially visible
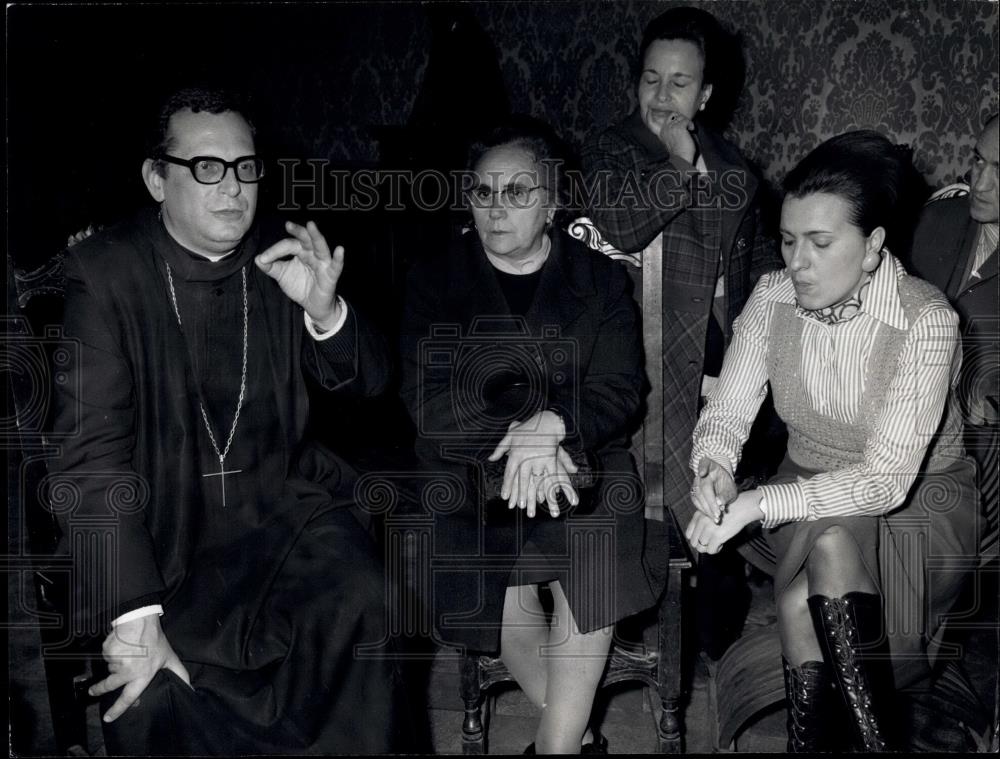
<point>984,200</point>
<point>209,219</point>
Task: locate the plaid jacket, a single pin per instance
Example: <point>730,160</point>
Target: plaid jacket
<point>637,190</point>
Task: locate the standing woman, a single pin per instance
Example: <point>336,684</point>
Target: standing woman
<point>662,172</point>
<point>875,485</point>
<point>521,352</point>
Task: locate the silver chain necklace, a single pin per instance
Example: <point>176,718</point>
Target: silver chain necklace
<point>221,474</point>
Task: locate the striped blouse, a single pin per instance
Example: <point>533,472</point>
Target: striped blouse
<point>833,368</point>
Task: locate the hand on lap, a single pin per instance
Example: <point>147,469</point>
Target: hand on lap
<point>538,467</point>
<point>135,651</point>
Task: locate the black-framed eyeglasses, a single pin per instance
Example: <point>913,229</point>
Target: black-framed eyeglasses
<point>512,196</point>
<point>207,169</point>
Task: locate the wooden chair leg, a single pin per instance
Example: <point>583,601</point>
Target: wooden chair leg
<point>473,735</point>
<point>668,729</point>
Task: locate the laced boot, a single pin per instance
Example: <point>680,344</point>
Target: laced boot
<point>808,690</point>
<point>851,636</point>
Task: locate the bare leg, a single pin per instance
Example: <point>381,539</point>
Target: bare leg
<point>575,663</point>
<point>522,638</point>
<point>795,626</point>
<point>834,567</point>
<point>847,614</point>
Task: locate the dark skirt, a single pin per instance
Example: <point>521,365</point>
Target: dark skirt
<point>597,552</point>
<point>918,556</point>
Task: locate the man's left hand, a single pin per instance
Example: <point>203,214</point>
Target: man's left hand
<point>306,271</point>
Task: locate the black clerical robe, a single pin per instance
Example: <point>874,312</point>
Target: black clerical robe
<point>273,596</point>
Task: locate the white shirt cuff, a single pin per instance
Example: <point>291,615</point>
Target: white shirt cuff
<point>142,611</point>
<point>311,325</point>
<point>783,503</point>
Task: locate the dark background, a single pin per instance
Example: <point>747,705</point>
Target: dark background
<point>404,85</point>
<point>391,84</point>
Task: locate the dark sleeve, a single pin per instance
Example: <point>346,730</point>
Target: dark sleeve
<point>355,361</point>
<point>631,198</point>
<point>611,389</point>
<point>93,487</point>
<point>929,238</point>
<point>428,389</point>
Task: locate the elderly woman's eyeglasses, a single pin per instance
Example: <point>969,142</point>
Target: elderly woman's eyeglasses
<point>511,196</point>
<point>208,169</point>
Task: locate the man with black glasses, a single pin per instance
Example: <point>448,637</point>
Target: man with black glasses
<point>240,597</point>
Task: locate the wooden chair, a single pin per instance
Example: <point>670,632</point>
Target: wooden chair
<point>956,190</point>
<point>34,353</point>
<point>657,665</point>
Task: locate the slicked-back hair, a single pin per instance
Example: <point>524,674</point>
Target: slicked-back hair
<point>863,168</point>
<point>197,100</point>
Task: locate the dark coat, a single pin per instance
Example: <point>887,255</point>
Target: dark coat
<point>942,246</point>
<point>265,596</point>
<point>131,397</point>
<point>705,221</point>
<point>577,350</point>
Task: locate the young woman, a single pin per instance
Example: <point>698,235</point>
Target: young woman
<point>860,358</point>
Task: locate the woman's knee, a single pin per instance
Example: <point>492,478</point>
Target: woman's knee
<point>835,566</point>
<point>833,550</point>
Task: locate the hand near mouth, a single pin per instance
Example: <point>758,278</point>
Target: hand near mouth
<point>675,134</point>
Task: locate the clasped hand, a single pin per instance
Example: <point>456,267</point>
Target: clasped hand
<point>135,651</point>
<point>721,511</point>
<point>306,271</point>
<point>538,467</point>
<point>713,489</point>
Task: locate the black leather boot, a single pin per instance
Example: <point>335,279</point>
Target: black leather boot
<point>850,632</point>
<point>808,689</point>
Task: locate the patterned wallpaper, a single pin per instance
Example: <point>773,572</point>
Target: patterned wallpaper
<point>344,80</point>
<point>924,72</point>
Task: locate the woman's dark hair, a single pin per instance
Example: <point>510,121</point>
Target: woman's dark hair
<point>692,24</point>
<point>553,156</point>
<point>197,99</point>
<point>721,51</point>
<point>865,169</point>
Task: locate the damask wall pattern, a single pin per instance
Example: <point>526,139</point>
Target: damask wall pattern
<point>924,72</point>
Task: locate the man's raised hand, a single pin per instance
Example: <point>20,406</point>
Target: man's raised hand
<point>306,271</point>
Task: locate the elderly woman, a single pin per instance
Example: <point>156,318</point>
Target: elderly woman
<point>664,172</point>
<point>522,356</point>
<point>860,358</point>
